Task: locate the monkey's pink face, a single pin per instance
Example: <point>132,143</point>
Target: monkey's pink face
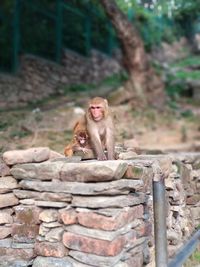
<point>97,112</point>
<point>82,140</point>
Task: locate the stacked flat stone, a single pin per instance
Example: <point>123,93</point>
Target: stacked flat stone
<point>58,211</point>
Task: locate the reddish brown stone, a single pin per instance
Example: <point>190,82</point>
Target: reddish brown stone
<point>136,260</point>
<point>118,220</point>
<point>5,231</point>
<point>24,232</point>
<point>48,249</point>
<point>96,246</point>
<point>23,254</point>
<point>68,216</point>
<point>144,229</point>
<point>193,200</point>
<point>134,172</point>
<point>7,200</point>
<point>4,169</point>
<point>27,215</point>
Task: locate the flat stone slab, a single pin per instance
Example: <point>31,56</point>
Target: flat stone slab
<point>7,184</point>
<point>38,171</point>
<point>108,201</point>
<point>94,171</point>
<point>44,196</point>
<point>37,154</point>
<point>95,260</point>
<point>123,186</point>
<point>7,200</point>
<point>51,262</point>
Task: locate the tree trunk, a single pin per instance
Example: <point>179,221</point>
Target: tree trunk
<point>143,85</point>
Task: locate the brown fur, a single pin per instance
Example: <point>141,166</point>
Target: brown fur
<point>100,128</point>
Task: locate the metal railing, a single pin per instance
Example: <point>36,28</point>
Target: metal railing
<point>160,232</point>
<point>37,29</point>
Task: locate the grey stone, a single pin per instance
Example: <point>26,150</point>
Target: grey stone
<point>7,184</point>
<point>95,260</point>
<point>38,154</point>
<point>108,201</point>
<point>122,186</point>
<point>99,234</point>
<point>50,215</point>
<point>54,234</point>
<point>7,200</point>
<point>5,216</point>
<point>10,261</point>
<point>4,169</point>
<point>45,196</point>
<point>93,171</point>
<point>51,262</point>
<point>41,171</point>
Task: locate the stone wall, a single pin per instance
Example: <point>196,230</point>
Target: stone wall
<point>39,78</point>
<point>58,211</point>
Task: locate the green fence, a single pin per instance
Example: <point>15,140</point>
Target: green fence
<point>45,28</point>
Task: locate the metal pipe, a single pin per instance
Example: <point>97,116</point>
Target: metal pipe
<point>159,201</point>
<point>185,251</point>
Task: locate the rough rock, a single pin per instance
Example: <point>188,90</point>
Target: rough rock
<point>5,231</point>
<point>8,200</point>
<point>95,260</point>
<point>45,196</point>
<point>4,169</point>
<point>108,202</point>
<point>96,246</point>
<point>122,186</point>
<point>94,171</point>
<point>49,249</point>
<point>41,171</point>
<point>49,215</point>
<point>6,216</point>
<point>25,232</point>
<point>7,184</point>
<point>120,218</point>
<point>68,216</point>
<point>38,154</point>
<point>127,155</point>
<point>51,262</point>
<point>27,214</point>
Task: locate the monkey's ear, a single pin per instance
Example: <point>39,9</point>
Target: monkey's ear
<point>106,105</point>
<point>106,101</point>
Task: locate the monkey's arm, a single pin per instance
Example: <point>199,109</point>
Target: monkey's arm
<point>68,152</point>
<point>110,143</point>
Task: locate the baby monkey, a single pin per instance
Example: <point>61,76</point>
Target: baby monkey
<point>80,142</point>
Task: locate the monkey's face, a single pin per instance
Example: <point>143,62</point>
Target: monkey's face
<point>81,138</point>
<point>97,112</point>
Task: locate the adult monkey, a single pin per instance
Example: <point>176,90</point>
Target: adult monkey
<point>100,128</point>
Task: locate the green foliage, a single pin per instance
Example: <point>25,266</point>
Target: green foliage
<point>77,88</point>
<point>112,81</point>
<point>115,80</point>
<point>187,62</point>
<point>181,72</point>
<point>186,16</point>
<point>19,134</point>
<point>3,125</point>
<point>184,74</point>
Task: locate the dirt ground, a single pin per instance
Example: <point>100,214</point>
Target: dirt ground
<point>51,124</point>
